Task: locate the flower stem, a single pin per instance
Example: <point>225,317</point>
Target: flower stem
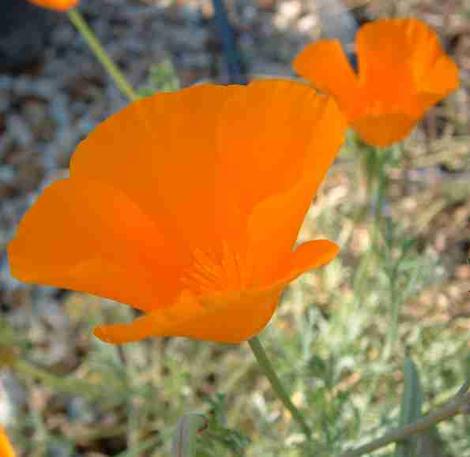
<point>268,370</point>
<point>93,42</point>
<point>459,404</point>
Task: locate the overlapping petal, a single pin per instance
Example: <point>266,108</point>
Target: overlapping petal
<point>89,236</point>
<point>228,316</point>
<point>325,64</point>
<point>403,71</point>
<point>186,206</point>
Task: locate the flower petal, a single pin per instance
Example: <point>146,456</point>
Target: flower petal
<point>433,70</point>
<point>6,449</point>
<point>228,317</point>
<point>384,130</point>
<point>274,222</point>
<point>162,152</point>
<point>441,80</point>
<point>326,66</point>
<point>385,56</point>
<point>57,5</point>
<point>307,256</point>
<point>88,236</point>
<point>266,149</point>
<point>400,58</point>
<point>201,159</point>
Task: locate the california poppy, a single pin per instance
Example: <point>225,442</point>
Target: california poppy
<point>403,71</point>
<point>58,5</point>
<point>6,449</point>
<point>186,206</point>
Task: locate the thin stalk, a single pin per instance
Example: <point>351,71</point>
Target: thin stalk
<point>459,404</point>
<point>93,42</point>
<point>267,368</point>
<point>58,384</point>
<point>381,231</point>
<point>381,184</point>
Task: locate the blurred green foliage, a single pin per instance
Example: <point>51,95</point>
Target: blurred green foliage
<point>162,78</point>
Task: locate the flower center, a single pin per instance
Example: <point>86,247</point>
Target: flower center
<point>216,271</point>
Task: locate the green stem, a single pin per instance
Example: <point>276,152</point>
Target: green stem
<point>382,184</point>
<point>268,370</point>
<point>93,42</point>
<point>457,405</point>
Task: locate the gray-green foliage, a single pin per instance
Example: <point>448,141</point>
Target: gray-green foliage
<point>162,78</point>
<point>411,405</point>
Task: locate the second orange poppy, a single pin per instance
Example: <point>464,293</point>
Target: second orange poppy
<point>403,71</point>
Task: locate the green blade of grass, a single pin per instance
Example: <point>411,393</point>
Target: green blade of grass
<point>184,441</point>
<point>411,406</point>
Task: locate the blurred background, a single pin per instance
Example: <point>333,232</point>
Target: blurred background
<point>63,393</point>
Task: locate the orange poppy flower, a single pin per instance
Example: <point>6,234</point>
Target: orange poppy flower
<point>186,206</point>
<point>6,449</point>
<point>403,71</point>
<point>58,5</point>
